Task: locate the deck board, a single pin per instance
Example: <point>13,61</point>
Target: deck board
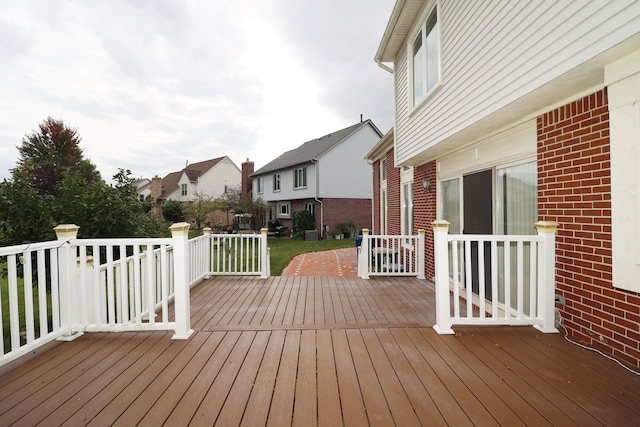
<point>318,351</point>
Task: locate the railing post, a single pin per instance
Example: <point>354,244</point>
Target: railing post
<point>68,275</point>
<point>206,232</point>
<point>441,252</point>
<point>264,254</point>
<point>182,303</point>
<point>547,276</point>
<point>363,258</point>
<point>420,255</point>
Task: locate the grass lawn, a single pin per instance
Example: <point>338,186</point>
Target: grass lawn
<point>284,250</point>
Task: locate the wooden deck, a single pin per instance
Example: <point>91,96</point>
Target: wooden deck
<point>318,351</point>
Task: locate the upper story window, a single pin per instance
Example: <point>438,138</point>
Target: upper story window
<point>300,179</point>
<point>426,57</point>
<point>383,170</point>
<point>183,189</point>
<point>276,182</point>
<point>261,185</point>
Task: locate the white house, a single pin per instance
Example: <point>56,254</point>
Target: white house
<point>522,111</point>
<point>327,176</point>
<point>213,178</point>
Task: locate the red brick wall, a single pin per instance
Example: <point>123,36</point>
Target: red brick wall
<point>393,196</point>
<point>376,198</point>
<point>424,211</point>
<point>574,189</point>
<point>339,210</point>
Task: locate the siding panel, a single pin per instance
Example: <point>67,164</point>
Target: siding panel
<point>538,42</point>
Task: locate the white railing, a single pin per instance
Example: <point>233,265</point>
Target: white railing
<point>30,299</point>
<point>495,279</point>
<point>239,254</point>
<point>60,289</point>
<point>391,255</point>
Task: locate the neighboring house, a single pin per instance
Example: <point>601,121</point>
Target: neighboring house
<point>213,178</point>
<point>513,112</point>
<point>327,176</point>
<point>143,188</point>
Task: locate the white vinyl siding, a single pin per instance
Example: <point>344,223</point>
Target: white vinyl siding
<point>498,55</point>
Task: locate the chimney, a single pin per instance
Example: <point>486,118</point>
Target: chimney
<point>156,193</point>
<point>247,185</point>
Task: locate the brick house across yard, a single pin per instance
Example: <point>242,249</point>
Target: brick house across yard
<point>327,176</point>
<point>508,113</point>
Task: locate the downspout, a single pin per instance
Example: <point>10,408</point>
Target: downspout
<point>315,162</point>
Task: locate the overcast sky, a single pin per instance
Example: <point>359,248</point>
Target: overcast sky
<point>150,85</point>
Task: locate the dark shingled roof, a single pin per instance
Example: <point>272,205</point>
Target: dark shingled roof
<point>311,149</point>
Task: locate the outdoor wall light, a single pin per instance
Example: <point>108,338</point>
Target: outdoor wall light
<point>426,185</point>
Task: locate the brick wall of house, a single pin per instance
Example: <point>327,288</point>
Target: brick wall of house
<point>375,226</point>
<point>393,195</point>
<point>338,210</point>
<point>574,189</point>
<point>424,211</point>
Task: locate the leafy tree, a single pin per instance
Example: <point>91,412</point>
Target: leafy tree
<point>25,215</point>
<point>99,209</point>
<point>256,208</point>
<point>172,211</point>
<point>48,153</point>
<point>302,220</point>
<point>200,207</point>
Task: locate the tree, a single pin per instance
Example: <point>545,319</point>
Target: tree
<point>256,208</point>
<point>48,153</point>
<point>199,208</point>
<point>172,211</point>
<point>302,220</point>
<point>25,215</point>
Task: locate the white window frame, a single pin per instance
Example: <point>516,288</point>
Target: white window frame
<point>426,35</point>
<point>276,182</point>
<point>300,178</point>
<point>383,170</point>
<point>184,190</point>
<point>406,184</point>
<point>284,210</point>
<point>309,206</point>
<point>260,185</point>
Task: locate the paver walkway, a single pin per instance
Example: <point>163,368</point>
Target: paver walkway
<point>336,262</point>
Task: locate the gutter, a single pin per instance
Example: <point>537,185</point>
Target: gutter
<point>384,67</point>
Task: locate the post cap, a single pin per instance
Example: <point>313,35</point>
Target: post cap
<point>440,225</point>
<point>547,227</point>
<point>66,231</point>
<point>179,229</point>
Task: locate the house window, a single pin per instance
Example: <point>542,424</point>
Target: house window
<point>141,197</point>
<point>426,57</point>
<point>407,208</point>
<point>183,189</point>
<point>383,170</point>
<point>284,210</point>
<point>517,199</point>
<point>276,182</point>
<point>300,180</point>
<point>451,204</point>
<point>261,185</point>
<point>309,207</point>
<point>226,189</point>
<point>383,211</point>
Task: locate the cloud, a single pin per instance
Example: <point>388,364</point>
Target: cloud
<point>152,84</point>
